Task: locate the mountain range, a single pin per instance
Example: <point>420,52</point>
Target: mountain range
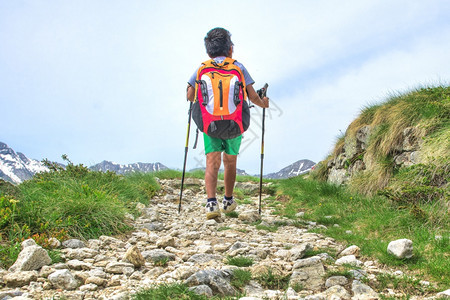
<point>298,168</point>
<point>123,169</point>
<point>15,167</point>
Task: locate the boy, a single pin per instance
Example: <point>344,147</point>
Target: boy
<point>218,46</point>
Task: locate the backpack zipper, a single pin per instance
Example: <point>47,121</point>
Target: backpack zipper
<point>221,94</point>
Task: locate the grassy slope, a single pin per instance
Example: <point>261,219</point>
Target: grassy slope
<point>412,202</point>
<point>427,110</point>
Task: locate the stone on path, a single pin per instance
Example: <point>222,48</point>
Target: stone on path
<point>217,280</point>
<point>363,291</point>
<point>19,279</point>
<point>134,256</point>
<point>63,279</point>
<point>308,272</point>
<point>73,244</point>
<point>348,260</point>
<point>352,250</point>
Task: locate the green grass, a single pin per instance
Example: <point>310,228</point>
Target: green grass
<point>239,261</point>
<point>160,262</point>
<point>313,252</point>
<point>176,291</point>
<point>55,255</point>
<point>240,278</point>
<point>223,228</point>
<point>232,214</point>
<point>404,284</point>
<point>270,228</point>
<point>273,281</point>
<point>374,222</point>
<point>72,202</point>
<point>167,291</point>
<point>244,201</point>
<point>343,272</point>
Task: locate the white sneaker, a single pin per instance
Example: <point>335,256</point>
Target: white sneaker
<point>212,210</point>
<point>228,205</point>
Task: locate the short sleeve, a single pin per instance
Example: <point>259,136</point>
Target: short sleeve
<point>248,79</point>
<point>191,80</point>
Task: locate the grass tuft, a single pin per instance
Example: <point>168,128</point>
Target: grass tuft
<point>240,278</point>
<point>239,261</point>
<point>167,291</point>
<point>273,281</point>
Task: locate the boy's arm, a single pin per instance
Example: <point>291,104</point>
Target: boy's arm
<point>254,97</point>
<point>190,93</point>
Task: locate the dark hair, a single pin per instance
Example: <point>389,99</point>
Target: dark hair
<point>218,42</point>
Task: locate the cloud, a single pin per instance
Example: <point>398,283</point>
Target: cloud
<point>106,79</point>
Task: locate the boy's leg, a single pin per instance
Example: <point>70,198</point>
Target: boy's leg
<point>213,160</point>
<point>229,163</point>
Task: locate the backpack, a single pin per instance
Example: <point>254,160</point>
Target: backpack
<point>221,109</point>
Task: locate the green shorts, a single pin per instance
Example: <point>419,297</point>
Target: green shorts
<point>230,146</point>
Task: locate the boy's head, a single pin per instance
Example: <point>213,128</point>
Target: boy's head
<point>218,42</point>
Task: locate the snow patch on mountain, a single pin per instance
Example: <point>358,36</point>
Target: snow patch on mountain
<point>298,168</point>
<point>16,167</point>
<point>105,166</point>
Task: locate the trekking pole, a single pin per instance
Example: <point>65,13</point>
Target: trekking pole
<point>185,155</point>
<point>262,93</point>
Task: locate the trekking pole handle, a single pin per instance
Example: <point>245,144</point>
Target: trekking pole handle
<point>263,91</point>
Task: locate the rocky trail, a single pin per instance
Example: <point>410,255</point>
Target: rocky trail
<point>167,247</point>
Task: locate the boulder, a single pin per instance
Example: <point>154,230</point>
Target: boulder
<point>54,243</point>
<point>165,241</point>
<point>336,280</point>
<point>363,291</point>
<point>28,243</point>
<point>352,250</point>
<point>73,244</point>
<point>134,256</point>
<point>217,280</point>
<point>335,292</point>
<point>204,258</point>
<point>445,294</point>
<point>119,268</point>
<point>202,290</point>
<point>21,278</point>
<point>31,258</point>
<point>157,255</point>
<point>338,176</point>
<point>308,272</point>
<point>63,279</point>
<point>348,260</point>
<point>79,253</point>
<point>249,216</point>
<point>402,248</point>
<point>298,252</point>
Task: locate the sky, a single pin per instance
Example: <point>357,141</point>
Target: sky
<point>106,79</point>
